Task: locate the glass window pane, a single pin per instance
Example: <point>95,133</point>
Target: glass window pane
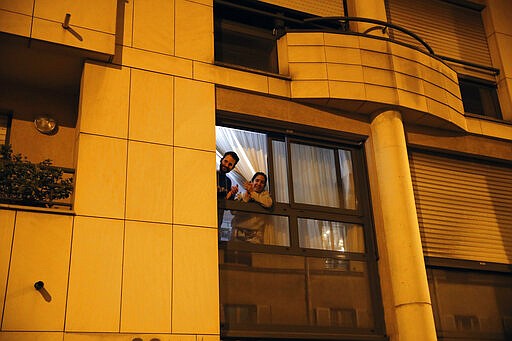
<point>255,228</point>
<point>276,293</point>
<point>472,305</point>
<point>347,179</point>
<point>314,176</point>
<point>280,171</point>
<point>330,235</point>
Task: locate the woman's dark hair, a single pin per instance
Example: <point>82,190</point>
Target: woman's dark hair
<point>259,173</point>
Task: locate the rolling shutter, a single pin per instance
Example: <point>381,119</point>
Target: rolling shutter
<point>321,8</point>
<point>464,208</point>
<point>451,30</point>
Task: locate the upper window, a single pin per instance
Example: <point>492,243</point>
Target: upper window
<point>305,266</point>
<point>5,125</point>
<point>246,32</point>
<point>456,33</point>
<point>480,98</point>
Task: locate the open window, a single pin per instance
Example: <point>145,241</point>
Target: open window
<point>304,268</point>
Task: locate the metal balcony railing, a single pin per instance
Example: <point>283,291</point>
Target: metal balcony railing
<point>384,26</point>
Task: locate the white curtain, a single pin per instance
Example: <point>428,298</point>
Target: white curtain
<point>330,235</point>
<point>280,171</point>
<point>347,178</point>
<point>314,182</point>
<point>250,147</point>
<point>314,176</point>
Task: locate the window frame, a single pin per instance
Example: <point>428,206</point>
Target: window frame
<point>489,89</point>
<point>287,132</point>
<point>276,22</point>
<point>457,267</point>
<point>8,116</point>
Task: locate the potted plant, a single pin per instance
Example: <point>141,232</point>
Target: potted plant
<point>26,183</point>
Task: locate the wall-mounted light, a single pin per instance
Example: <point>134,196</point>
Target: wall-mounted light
<point>46,125</point>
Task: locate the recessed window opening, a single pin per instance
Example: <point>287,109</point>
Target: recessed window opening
<point>480,98</point>
<point>283,267</point>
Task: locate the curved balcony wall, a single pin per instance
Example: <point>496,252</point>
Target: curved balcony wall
<point>366,75</point>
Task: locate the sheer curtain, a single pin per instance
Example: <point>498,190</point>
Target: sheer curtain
<point>314,176</point>
<point>250,147</point>
<point>315,182</point>
<point>347,178</point>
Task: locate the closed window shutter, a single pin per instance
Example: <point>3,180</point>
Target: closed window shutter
<point>464,208</point>
<point>451,30</point>
<point>321,8</point>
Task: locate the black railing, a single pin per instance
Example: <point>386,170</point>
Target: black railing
<point>344,20</point>
<point>383,25</point>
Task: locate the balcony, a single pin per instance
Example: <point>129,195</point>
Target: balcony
<point>365,74</point>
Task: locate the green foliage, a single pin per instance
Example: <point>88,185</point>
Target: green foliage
<point>24,182</point>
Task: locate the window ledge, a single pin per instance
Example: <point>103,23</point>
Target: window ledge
<point>248,69</point>
<point>36,209</point>
<point>487,118</point>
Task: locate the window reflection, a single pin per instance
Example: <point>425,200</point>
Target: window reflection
<point>255,228</point>
<point>330,235</point>
<point>273,291</point>
<point>472,305</point>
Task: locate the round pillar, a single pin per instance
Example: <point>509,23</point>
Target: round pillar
<point>411,298</point>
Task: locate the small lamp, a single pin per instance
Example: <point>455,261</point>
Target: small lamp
<point>46,125</point>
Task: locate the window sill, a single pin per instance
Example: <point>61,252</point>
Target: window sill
<point>14,207</point>
<point>487,118</point>
<point>248,69</point>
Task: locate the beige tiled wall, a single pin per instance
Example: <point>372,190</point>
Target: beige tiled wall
<point>147,278</point>
<point>146,219</point>
<point>153,26</point>
<point>151,107</point>
<point>40,252</point>
<point>350,68</point>
<point>92,21</point>
<point>195,290</point>
<point>104,100</point>
<point>499,36</point>
<point>149,182</point>
<point>101,176</point>
<point>94,297</point>
<point>7,219</point>
<point>194,114</point>
<point>194,20</point>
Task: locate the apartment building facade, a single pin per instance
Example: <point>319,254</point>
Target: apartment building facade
<point>385,129</point>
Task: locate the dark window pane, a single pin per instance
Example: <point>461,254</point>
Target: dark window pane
<point>273,292</point>
<point>471,305</point>
<point>479,98</point>
<point>245,38</point>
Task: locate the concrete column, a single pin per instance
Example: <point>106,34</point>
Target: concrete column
<point>411,298</point>
<point>371,9</point>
